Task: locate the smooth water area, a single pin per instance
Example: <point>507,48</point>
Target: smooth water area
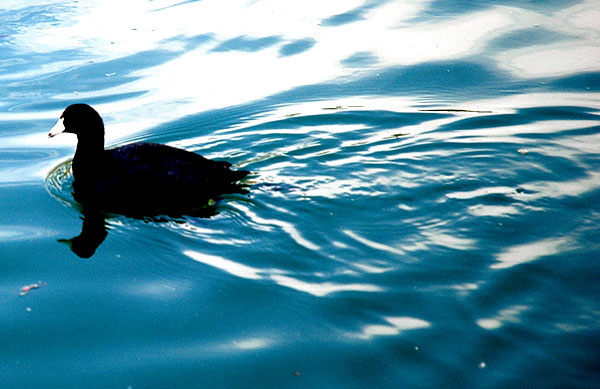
<point>423,208</point>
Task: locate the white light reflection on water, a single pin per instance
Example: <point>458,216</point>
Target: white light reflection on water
<point>213,236</point>
<point>559,189</point>
<point>158,289</point>
<point>507,315</point>
<point>318,289</point>
<point>374,245</point>
<point>395,326</point>
<point>251,344</point>
<point>321,289</point>
<point>529,252</point>
<point>234,268</point>
<point>493,210</point>
<point>289,228</point>
<point>13,233</point>
<point>442,238</point>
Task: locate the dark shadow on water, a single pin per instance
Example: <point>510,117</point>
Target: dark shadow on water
<point>354,15</point>
<point>88,77</point>
<point>297,47</point>
<point>583,82</point>
<point>444,8</point>
<point>103,75</point>
<point>360,60</point>
<point>192,42</point>
<point>526,37</point>
<point>94,229</point>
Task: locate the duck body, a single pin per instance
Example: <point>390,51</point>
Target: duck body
<point>141,178</point>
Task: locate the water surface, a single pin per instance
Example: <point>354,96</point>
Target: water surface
<point>423,208</point>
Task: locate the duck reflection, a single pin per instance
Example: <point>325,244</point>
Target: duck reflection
<point>95,226</point>
<point>93,233</point>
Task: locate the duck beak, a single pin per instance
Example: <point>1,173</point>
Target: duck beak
<point>58,128</point>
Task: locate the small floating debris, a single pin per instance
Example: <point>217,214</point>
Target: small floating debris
<point>482,365</point>
<point>523,151</point>
<point>110,74</point>
<point>28,288</point>
<point>297,373</point>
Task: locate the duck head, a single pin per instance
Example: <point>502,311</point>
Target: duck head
<point>79,119</point>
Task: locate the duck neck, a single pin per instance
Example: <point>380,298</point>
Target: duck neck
<point>88,157</point>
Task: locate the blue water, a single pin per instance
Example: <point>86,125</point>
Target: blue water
<point>423,205</point>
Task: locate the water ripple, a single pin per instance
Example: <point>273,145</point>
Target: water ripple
<point>424,180</point>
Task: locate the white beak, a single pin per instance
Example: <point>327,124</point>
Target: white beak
<point>58,128</point>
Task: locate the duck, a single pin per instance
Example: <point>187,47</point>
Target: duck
<point>140,178</point>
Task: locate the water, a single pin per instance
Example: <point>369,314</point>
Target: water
<point>423,209</point>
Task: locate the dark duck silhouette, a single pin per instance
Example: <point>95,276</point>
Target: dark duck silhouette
<point>140,179</point>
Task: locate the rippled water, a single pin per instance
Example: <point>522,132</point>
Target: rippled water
<point>423,206</point>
